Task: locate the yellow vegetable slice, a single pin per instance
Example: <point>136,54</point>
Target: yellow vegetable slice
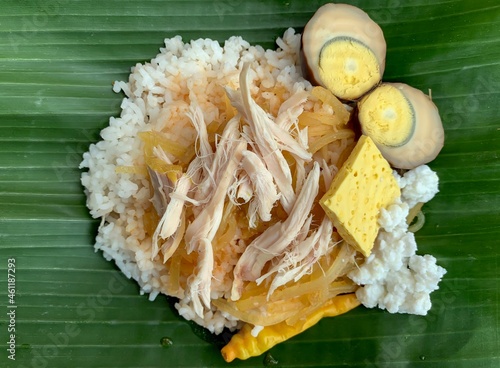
<point>244,345</point>
<point>327,97</point>
<point>311,119</point>
<point>268,314</point>
<point>140,170</point>
<point>329,138</point>
<point>173,285</point>
<point>152,139</point>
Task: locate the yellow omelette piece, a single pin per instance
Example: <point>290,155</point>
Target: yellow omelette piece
<point>363,185</point>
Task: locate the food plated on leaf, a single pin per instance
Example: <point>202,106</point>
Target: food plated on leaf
<point>267,189</point>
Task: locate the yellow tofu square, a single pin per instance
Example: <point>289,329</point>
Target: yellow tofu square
<point>363,185</point>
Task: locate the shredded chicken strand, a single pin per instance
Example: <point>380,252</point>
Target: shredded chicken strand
<point>169,222</point>
<point>224,146</point>
<point>160,153</point>
<point>327,172</point>
<point>211,174</point>
<point>200,233</point>
<point>172,243</point>
<point>162,187</point>
<point>287,143</point>
<point>199,283</point>
<point>300,164</point>
<point>175,207</point>
<point>204,153</point>
<point>264,188</point>
<point>304,231</point>
<point>245,190</point>
<point>232,191</point>
<point>290,110</point>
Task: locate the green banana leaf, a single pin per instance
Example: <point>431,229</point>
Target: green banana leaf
<point>58,59</point>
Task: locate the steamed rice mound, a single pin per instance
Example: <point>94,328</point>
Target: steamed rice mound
<point>158,96</point>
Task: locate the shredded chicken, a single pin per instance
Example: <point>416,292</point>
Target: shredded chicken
<point>300,163</point>
<point>300,260</point>
<point>240,191</point>
<point>200,233</point>
<point>298,148</point>
<point>305,229</point>
<point>328,172</point>
<point>161,154</point>
<point>175,207</point>
<point>289,266</point>
<point>199,283</point>
<point>273,241</point>
<point>208,185</point>
<point>261,132</point>
<point>172,243</point>
<point>288,114</point>
<point>195,114</point>
<point>173,197</point>
<point>245,190</point>
<point>162,187</point>
<point>204,155</point>
<point>169,222</point>
<point>265,191</point>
